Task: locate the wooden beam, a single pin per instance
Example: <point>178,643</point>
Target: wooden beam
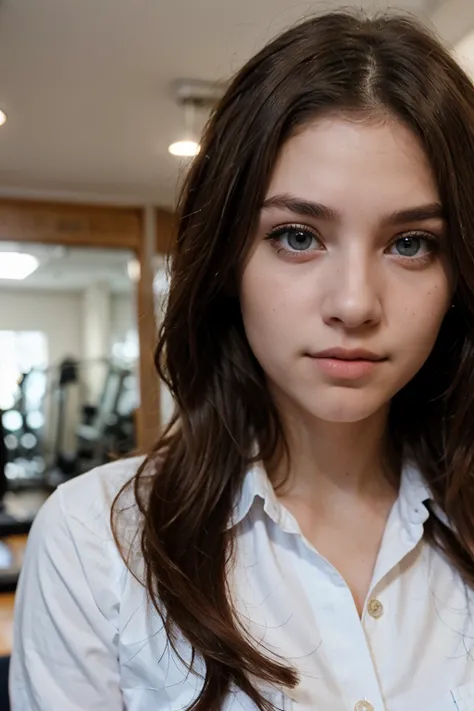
<point>70,225</point>
<point>149,417</point>
<point>166,228</point>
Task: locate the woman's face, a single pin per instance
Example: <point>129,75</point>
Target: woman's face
<point>348,281</point>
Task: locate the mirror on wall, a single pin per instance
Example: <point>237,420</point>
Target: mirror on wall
<point>68,360</point>
<point>161,284</point>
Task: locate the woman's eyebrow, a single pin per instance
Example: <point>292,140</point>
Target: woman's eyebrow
<point>308,208</point>
<point>301,206</point>
<point>430,211</point>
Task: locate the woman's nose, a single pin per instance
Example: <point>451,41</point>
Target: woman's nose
<point>353,293</point>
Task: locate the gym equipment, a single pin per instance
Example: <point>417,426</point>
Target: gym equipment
<point>110,430</point>
<point>22,425</point>
<point>105,430</point>
<point>9,526</point>
<point>60,433</point>
<point>64,461</point>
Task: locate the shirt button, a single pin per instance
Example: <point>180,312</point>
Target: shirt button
<point>363,706</point>
<point>375,610</point>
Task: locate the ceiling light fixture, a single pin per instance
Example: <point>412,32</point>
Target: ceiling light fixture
<point>192,96</point>
<point>188,146</point>
<point>3,117</point>
<point>186,149</point>
<point>17,265</point>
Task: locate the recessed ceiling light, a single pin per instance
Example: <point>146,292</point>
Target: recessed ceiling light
<point>3,117</point>
<point>17,265</point>
<point>184,148</point>
<point>133,269</point>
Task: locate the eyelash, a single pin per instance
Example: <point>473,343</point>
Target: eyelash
<point>275,234</point>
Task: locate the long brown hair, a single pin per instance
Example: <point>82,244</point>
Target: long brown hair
<point>186,490</point>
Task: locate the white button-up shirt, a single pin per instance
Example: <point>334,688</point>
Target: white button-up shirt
<point>87,640</point>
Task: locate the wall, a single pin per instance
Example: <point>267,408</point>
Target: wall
<point>122,316</point>
<point>95,337</point>
<point>58,315</point>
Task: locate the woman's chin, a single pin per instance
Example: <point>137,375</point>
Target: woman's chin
<point>345,411</point>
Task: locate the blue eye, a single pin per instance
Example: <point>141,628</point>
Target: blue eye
<point>408,246</point>
<point>413,245</point>
<point>294,238</point>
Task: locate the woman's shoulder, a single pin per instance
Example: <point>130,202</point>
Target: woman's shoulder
<point>90,495</point>
<point>81,508</point>
<point>72,535</point>
<point>75,589</point>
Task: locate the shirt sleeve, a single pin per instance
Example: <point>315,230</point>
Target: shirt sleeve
<point>65,654</point>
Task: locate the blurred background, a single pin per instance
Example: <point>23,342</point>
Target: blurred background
<point>102,103</point>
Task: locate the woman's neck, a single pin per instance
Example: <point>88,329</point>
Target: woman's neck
<point>331,460</point>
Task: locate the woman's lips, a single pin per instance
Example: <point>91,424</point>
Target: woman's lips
<point>349,364</point>
<point>347,369</point>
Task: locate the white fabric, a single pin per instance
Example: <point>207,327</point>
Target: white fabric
<point>86,639</point>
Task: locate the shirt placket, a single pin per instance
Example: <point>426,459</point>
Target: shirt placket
<point>346,648</point>
<point>346,637</point>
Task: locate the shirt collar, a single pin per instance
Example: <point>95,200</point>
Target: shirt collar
<point>256,485</point>
<point>413,494</point>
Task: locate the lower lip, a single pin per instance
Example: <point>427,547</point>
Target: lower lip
<point>349,369</point>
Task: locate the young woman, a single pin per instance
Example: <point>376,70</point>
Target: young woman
<point>302,537</point>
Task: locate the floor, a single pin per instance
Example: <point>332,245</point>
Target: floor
<point>7,601</point>
<point>16,546</point>
<point>22,504</point>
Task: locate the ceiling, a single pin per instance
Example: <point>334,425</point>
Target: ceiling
<point>72,269</point>
<point>86,85</point>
